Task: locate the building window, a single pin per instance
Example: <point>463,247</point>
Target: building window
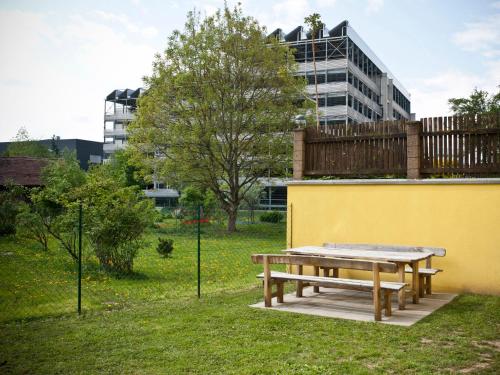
<point>335,100</point>
<point>320,78</point>
<point>335,77</point>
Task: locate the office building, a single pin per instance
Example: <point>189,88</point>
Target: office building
<point>353,84</point>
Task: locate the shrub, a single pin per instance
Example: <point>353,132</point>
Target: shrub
<point>165,246</point>
<point>271,217</point>
<point>10,206</point>
<point>177,214</point>
<point>116,219</point>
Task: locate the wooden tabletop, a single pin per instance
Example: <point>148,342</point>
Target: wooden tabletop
<point>391,256</point>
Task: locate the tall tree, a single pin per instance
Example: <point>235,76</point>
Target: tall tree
<point>315,24</point>
<point>218,108</point>
<point>478,102</point>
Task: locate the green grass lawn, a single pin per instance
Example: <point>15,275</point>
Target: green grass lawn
<point>221,334</point>
<point>152,322</point>
<point>34,283</point>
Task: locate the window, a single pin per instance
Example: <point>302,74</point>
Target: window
<point>321,101</point>
<point>335,100</point>
<point>335,77</point>
<point>349,101</point>
<point>320,78</point>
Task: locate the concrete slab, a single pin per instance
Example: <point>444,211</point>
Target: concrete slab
<point>354,305</point>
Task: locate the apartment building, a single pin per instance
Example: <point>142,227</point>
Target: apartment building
<point>353,84</point>
<point>119,110</point>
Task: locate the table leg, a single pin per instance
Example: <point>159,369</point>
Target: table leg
<point>316,273</point>
<point>336,272</point>
<point>298,293</point>
<point>401,293</point>
<point>414,281</point>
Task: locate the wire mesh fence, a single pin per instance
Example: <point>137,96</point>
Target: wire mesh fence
<point>36,283</point>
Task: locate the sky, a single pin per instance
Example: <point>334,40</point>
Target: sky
<point>59,59</point>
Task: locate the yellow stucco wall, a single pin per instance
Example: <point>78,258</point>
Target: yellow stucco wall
<point>463,218</point>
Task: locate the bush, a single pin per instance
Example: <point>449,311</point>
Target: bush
<point>10,206</point>
<point>272,217</point>
<point>177,214</point>
<point>165,246</point>
<point>116,219</point>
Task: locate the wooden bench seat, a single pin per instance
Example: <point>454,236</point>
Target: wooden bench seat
<point>375,286</point>
<point>424,274</point>
<point>424,271</point>
<point>354,284</point>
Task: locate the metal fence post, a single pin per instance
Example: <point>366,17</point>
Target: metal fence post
<point>80,260</point>
<point>199,248</point>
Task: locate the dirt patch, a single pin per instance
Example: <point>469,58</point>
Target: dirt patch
<point>474,368</point>
<point>488,344</point>
<point>484,363</point>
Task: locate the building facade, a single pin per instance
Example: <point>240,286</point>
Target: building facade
<point>119,109</point>
<point>86,152</point>
<point>353,84</point>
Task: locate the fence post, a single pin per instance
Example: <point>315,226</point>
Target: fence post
<point>199,250</point>
<point>299,153</point>
<point>413,149</point>
<point>80,259</point>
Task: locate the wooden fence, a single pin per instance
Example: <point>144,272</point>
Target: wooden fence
<point>442,146</point>
<point>468,145</point>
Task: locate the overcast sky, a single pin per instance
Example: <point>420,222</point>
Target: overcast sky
<point>59,59</point>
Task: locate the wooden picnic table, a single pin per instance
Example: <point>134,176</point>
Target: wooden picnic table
<point>400,258</point>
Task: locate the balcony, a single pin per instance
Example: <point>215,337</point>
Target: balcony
<point>114,132</point>
<point>112,147</point>
<point>119,116</point>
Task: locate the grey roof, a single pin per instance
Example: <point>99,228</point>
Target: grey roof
<point>125,96</point>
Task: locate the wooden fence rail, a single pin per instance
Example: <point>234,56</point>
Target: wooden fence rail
<point>445,146</point>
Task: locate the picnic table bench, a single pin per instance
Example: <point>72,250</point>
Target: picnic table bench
<point>377,287</point>
<point>400,258</point>
<point>425,274</point>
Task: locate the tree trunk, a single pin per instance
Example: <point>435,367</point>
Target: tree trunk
<point>232,215</point>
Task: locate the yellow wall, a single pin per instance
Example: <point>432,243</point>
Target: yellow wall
<point>463,218</point>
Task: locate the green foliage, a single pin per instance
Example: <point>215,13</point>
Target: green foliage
<point>193,197</point>
<point>54,209</point>
<point>477,103</point>
<point>165,246</point>
<point>10,206</point>
<point>219,107</point>
<point>124,170</point>
<point>54,149</point>
<point>315,24</point>
<point>252,200</point>
<point>23,145</point>
<point>116,217</point>
<point>31,225</point>
<point>271,217</point>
